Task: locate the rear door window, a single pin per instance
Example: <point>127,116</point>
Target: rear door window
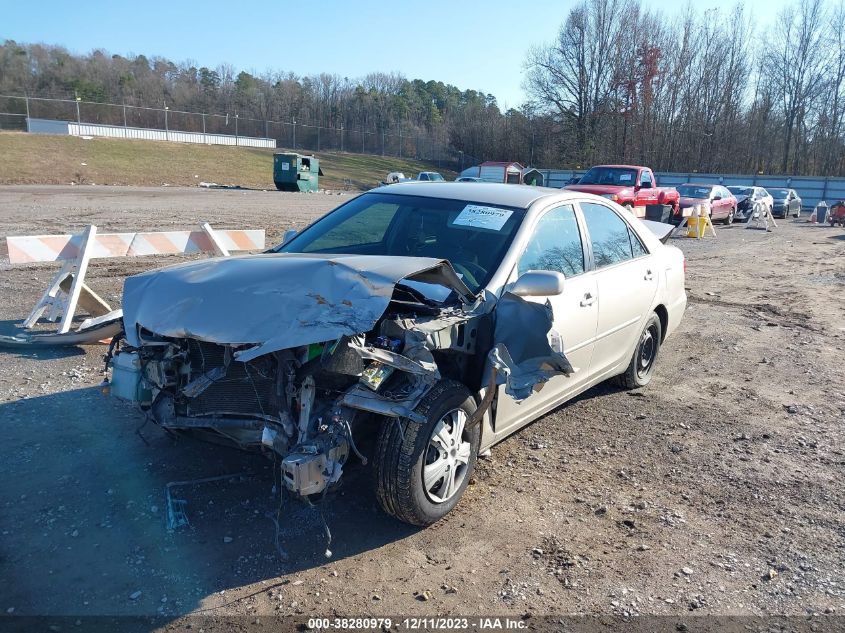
<point>609,235</point>
<point>555,245</point>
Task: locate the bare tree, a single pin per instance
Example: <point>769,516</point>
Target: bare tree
<point>798,60</point>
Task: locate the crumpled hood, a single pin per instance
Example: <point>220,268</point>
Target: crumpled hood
<point>273,301</point>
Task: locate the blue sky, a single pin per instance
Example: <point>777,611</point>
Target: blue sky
<point>479,44</point>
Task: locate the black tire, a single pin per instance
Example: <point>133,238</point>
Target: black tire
<point>638,374</point>
<point>730,218</point>
<point>401,456</point>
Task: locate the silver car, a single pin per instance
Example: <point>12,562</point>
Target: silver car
<point>438,319</point>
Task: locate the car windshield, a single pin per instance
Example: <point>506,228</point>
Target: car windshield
<point>741,191</point>
<point>779,193</point>
<point>694,191</point>
<point>619,176</point>
<point>473,237</point>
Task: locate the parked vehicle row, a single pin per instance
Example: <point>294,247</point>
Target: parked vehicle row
<point>634,187</point>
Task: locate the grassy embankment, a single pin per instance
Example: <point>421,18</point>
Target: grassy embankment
<point>43,159</point>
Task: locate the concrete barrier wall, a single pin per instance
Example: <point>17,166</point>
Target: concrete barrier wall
<point>47,126</point>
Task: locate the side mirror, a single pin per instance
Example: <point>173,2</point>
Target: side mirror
<point>539,283</point>
<point>289,235</point>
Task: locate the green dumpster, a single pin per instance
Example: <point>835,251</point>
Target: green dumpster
<point>295,172</point>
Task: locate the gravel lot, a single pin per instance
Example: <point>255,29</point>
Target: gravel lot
<point>716,490</point>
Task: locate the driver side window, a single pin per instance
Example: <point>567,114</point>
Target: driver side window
<point>645,180</point>
<point>555,244</point>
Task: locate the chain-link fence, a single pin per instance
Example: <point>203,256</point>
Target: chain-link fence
<point>404,143</point>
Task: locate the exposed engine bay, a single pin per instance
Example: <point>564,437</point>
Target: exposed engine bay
<point>383,340</point>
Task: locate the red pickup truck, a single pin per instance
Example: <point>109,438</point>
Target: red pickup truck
<point>631,186</point>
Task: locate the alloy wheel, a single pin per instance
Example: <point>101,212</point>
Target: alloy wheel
<point>446,458</point>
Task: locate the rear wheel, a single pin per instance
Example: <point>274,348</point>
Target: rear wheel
<point>422,469</point>
<point>640,369</point>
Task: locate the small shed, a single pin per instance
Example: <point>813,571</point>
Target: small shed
<point>507,172</point>
<point>532,176</point>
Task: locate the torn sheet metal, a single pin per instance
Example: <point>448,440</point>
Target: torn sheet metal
<point>364,399</point>
<point>273,301</point>
<point>92,331</point>
<point>420,367</point>
<point>522,355</point>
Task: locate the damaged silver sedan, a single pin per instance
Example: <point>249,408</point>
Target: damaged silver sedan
<point>440,319</point>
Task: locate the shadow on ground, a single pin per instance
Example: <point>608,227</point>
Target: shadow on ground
<point>83,514</point>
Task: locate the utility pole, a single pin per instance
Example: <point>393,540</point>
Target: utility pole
<point>78,118</point>
<point>124,119</point>
<point>294,133</point>
<point>26,99</point>
<point>341,137</point>
<point>236,128</point>
<point>203,124</point>
<point>166,124</point>
<point>318,138</point>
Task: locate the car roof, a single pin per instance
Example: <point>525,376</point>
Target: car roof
<point>519,196</point>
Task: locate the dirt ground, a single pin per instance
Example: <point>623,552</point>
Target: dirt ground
<point>716,490</point>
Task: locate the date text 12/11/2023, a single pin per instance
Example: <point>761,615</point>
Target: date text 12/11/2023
<point>426,623</point>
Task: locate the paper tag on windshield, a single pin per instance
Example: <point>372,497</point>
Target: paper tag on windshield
<point>624,177</point>
<point>483,217</point>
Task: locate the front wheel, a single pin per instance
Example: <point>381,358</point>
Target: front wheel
<point>731,215</point>
<point>640,369</point>
<point>422,469</point>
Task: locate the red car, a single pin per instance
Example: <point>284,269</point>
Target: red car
<point>632,186</point>
<point>722,202</point>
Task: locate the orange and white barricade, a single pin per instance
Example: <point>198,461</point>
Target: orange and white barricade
<point>67,290</point>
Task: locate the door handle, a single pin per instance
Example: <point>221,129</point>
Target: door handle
<point>648,275</point>
<point>588,300</point>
